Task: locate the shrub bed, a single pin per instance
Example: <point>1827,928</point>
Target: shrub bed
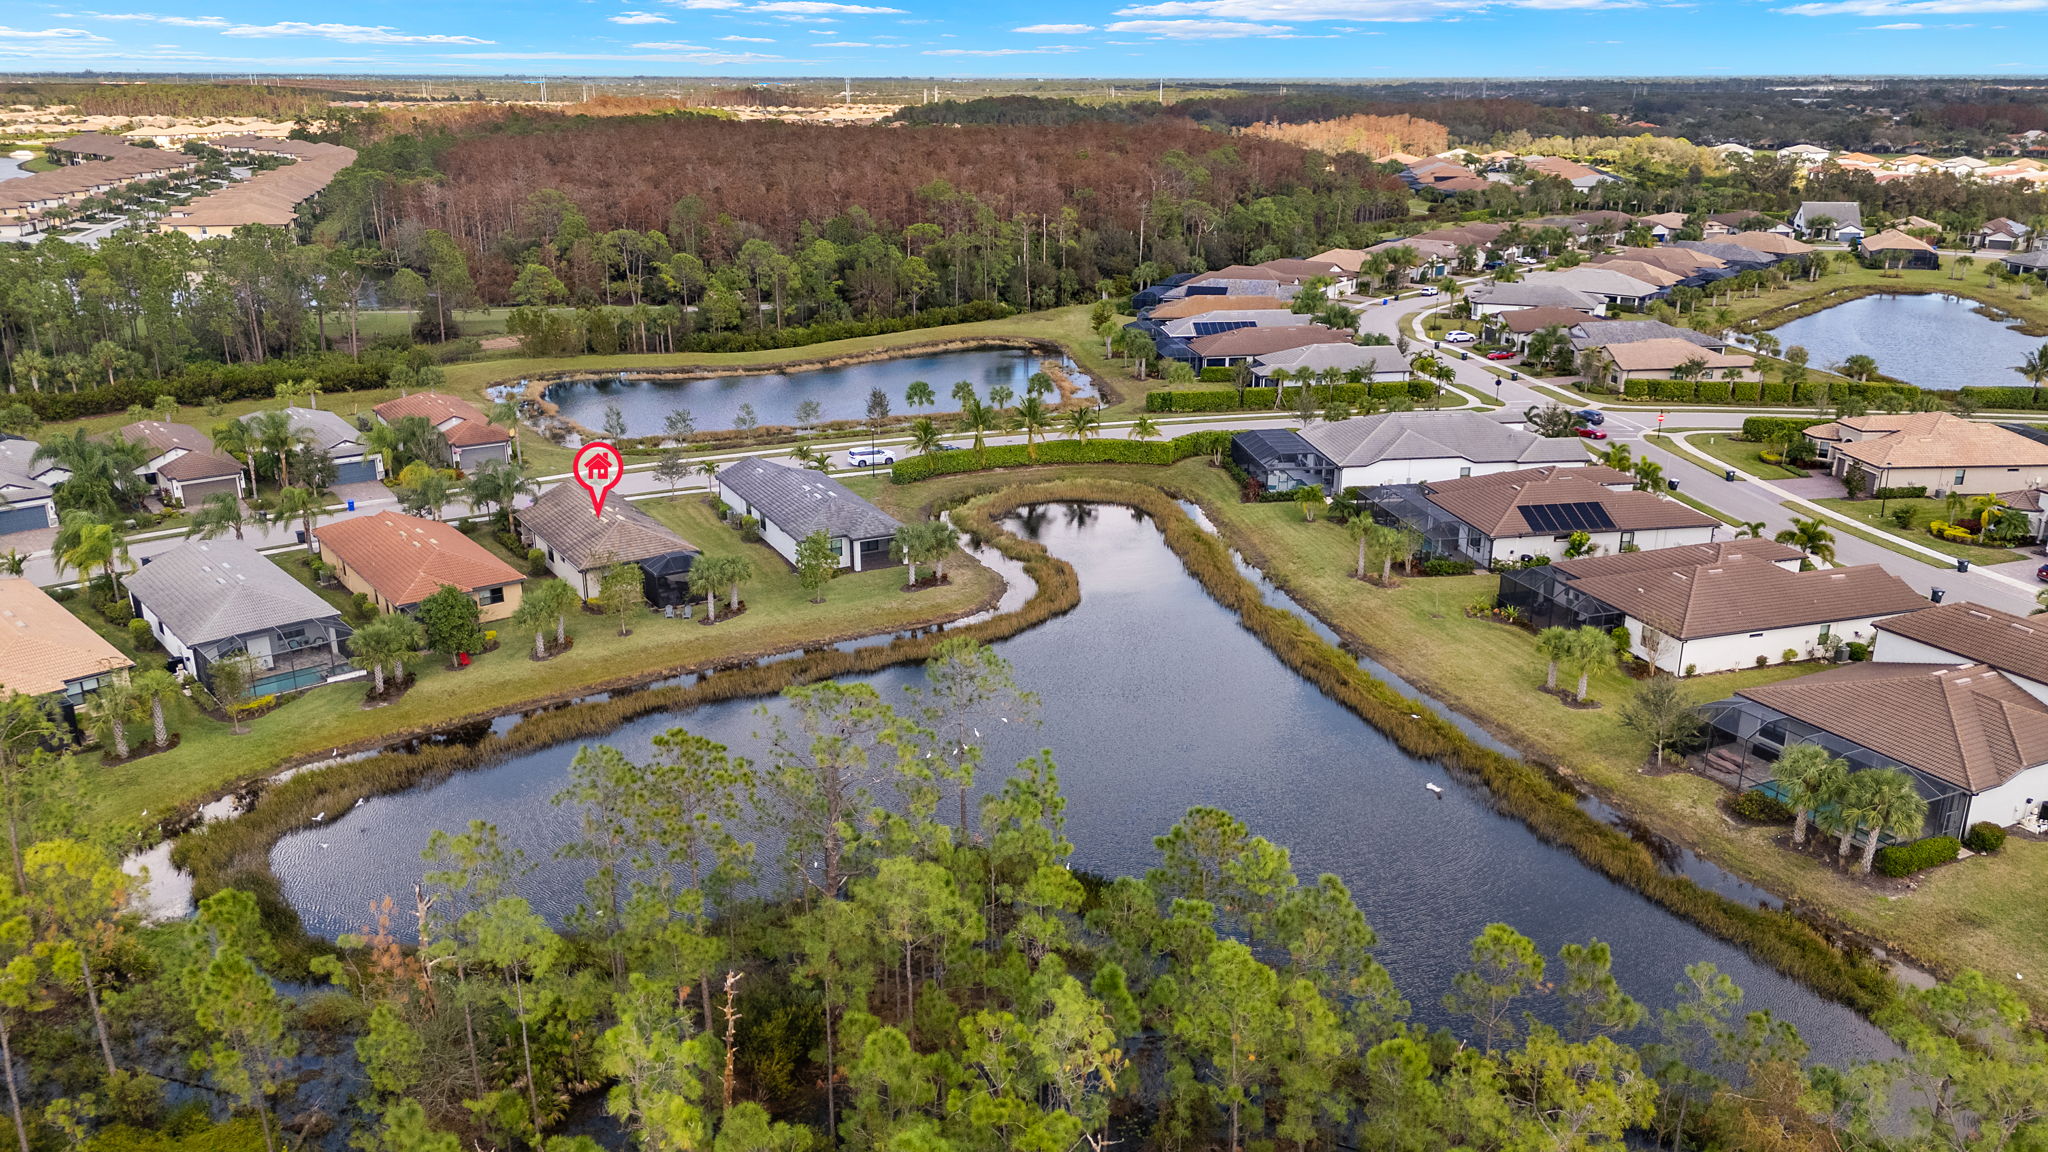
<point>2017,398</point>
<point>1771,429</point>
<point>1984,836</point>
<point>1760,808</point>
<point>1061,452</point>
<point>1751,392</point>
<point>1906,492</point>
<point>1225,399</point>
<point>1913,856</point>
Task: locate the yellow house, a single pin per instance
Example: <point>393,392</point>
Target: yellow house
<point>398,561</point>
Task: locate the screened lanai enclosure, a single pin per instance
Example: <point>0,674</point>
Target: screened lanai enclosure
<point>1443,534</point>
<point>1545,598</point>
<point>1744,739</point>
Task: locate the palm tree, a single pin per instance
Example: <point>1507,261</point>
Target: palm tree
<point>503,412</point>
<point>1890,800</point>
<point>2034,368</point>
<point>32,364</point>
<point>1144,429</point>
<point>711,575</point>
<point>218,515</point>
<point>1589,648</point>
<point>105,474</point>
<point>1555,643</point>
<point>423,490</point>
<point>1618,457</point>
<point>114,705</point>
<point>501,483</point>
<point>925,436</point>
<point>154,687</point>
<point>1081,422</point>
<point>386,642</point>
<point>86,544</point>
<point>1752,529</point>
<point>1649,475</point>
<point>272,432</point>
<point>919,395</point>
<point>1387,544</point>
<point>979,419</point>
<point>1033,417</point>
<point>710,470</point>
<point>301,504</point>
<point>1812,538</point>
<point>810,458</point>
<point>1850,801</point>
<point>1360,526</point>
<point>386,440</point>
<point>545,602</point>
<point>963,393</point>
<point>1808,779</point>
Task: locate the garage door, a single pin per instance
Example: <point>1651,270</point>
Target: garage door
<point>198,490</point>
<point>23,519</point>
<point>355,472</point>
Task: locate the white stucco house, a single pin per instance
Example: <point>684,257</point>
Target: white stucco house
<point>792,503</point>
<point>1420,447</point>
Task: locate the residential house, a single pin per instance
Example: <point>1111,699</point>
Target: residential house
<point>1652,274</point>
<point>2026,263</point>
<point>1188,306</point>
<point>1492,299</point>
<point>1611,331</point>
<point>1663,226</point>
<point>1506,517</point>
<point>1974,742</point>
<point>2026,503</point>
<point>398,561</point>
<point>1354,363</point>
<point>1602,283</point>
<point>1688,615</point>
<point>27,489</point>
<point>579,546</point>
<point>1960,632</point>
<point>1423,447</point>
<point>1727,150</point>
<point>1580,176</point>
<point>339,440</point>
<point>1804,153</point>
<point>1935,450</point>
<point>1892,248</point>
<point>46,651</point>
<point>1300,272</point>
<point>1964,166</point>
<point>2001,235</point>
<point>1548,594</point>
<point>1223,349</point>
<point>1774,245</point>
<point>1694,268</point>
<point>211,599</point>
<point>1439,175</point>
<point>1280,460</point>
<point>1210,323</point>
<point>1658,359</point>
<point>792,503</point>
<point>470,435</point>
<point>183,465</point>
<point>1829,220</point>
<point>1736,222</point>
<point>1518,326</point>
<point>1238,280</point>
<point>1734,258</point>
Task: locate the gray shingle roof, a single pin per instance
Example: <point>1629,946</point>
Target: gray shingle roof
<point>1525,294</point>
<point>329,432</point>
<point>624,534</point>
<point>18,471</point>
<point>1635,331</point>
<point>1846,213</point>
<point>1436,435</point>
<point>213,589</point>
<point>800,500</point>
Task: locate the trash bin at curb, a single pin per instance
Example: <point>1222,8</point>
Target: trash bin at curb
<point>1729,475</point>
<point>1935,594</point>
<point>1962,565</point>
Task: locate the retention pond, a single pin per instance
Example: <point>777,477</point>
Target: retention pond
<point>1934,341</point>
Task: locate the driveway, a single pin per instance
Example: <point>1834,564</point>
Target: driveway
<point>1814,487</point>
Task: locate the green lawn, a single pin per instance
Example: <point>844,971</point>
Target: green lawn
<point>779,617</point>
<point>398,322</point>
<point>1867,511</point>
<point>1733,450</point>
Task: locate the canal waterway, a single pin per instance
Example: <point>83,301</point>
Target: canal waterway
<point>1934,341</point>
<point>1154,699</point>
<point>840,392</point>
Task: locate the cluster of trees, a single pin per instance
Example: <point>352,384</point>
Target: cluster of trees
<point>815,951</point>
<point>277,102</point>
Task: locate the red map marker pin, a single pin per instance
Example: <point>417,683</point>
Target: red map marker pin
<point>598,469</point>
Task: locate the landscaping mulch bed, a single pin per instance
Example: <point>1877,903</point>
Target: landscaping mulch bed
<point>724,614</point>
<point>928,583</point>
<point>394,690</point>
<point>553,650</point>
<point>140,751</point>
<point>1569,698</point>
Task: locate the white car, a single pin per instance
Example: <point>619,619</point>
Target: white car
<point>1459,336</point>
<point>1531,261</point>
<point>1428,290</point>
<point>870,457</point>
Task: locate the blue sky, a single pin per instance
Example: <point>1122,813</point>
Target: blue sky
<point>1063,38</point>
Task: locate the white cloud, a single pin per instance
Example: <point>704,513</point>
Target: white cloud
<point>1054,29</point>
<point>1198,29</point>
<point>705,57</point>
<point>1882,8</point>
<point>747,39</point>
<point>669,46</point>
<point>845,44</point>
<point>707,3</point>
<point>821,8</point>
<point>1367,10</point>
<point>75,34</point>
<point>1047,50</point>
<point>639,18</point>
<point>1907,27</point>
<point>344,33</point>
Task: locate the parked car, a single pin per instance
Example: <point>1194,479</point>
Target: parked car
<point>2041,573</point>
<point>870,457</point>
<point>1459,336</point>
<point>947,448</point>
<point>1592,433</point>
<point>1503,354</point>
<point>1527,261</point>
<point>1591,415</point>
<point>1427,290</point>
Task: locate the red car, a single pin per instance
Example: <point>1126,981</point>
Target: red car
<point>1593,433</point>
<point>1500,355</point>
<point>2041,573</point>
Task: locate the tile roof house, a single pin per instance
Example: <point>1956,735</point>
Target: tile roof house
<point>1941,452</point>
<point>1197,305</point>
<point>1603,283</point>
<point>1892,248</point>
<point>1342,280</point>
<point>1223,349</point>
<point>27,489</point>
<point>1418,447</point>
<point>1767,243</point>
<point>398,561</point>
<point>1656,359</point>
<point>1613,331</point>
<point>340,440</point>
<point>1844,219</point>
<point>580,546</point>
<point>46,651</point>
<point>1525,322</point>
<point>471,436</point>
<point>1572,172</point>
<point>1225,320</point>
<point>792,503</point>
<point>183,465</point>
<point>212,598</point>
<point>1510,516</point>
<point>2001,235</point>
<point>1960,632</point>
<point>1975,743</point>
<point>1489,299</point>
<point>1363,364</point>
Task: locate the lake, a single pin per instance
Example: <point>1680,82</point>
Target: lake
<point>841,393</point>
<point>1937,342</point>
<point>1155,699</point>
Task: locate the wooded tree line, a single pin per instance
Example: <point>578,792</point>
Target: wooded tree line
<point>175,99</point>
<point>1468,121</point>
<point>902,973</point>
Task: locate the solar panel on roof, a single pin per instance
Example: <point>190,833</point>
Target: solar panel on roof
<point>1582,516</point>
<point>1212,327</point>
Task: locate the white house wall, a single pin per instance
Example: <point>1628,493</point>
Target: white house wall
<point>1425,471</point>
<point>1893,648</point>
<point>2006,804</point>
<point>1514,548</point>
<point>1728,653</point>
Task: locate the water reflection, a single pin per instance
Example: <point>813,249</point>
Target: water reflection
<point>1933,341</point>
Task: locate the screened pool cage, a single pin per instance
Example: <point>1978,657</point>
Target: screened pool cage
<point>1545,598</point>
<point>1744,739</point>
<point>1443,534</point>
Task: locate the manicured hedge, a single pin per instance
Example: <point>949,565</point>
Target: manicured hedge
<point>1225,399</point>
<point>1062,452</point>
<point>1214,375</point>
<point>194,383</point>
<point>1772,429</point>
<point>1906,859</point>
<point>1984,836</point>
<point>1760,808</point>
<point>1904,492</point>
<point>2023,399</point>
<point>1753,392</point>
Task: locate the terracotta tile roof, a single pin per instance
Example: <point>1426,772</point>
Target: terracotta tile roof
<point>198,466</point>
<point>1494,504</point>
<point>1749,594</point>
<point>1198,305</point>
<point>42,645</point>
<point>2024,499</point>
<point>1771,242</point>
<point>1935,440</point>
<point>1261,341</point>
<point>1893,240</point>
<point>1525,320</point>
<point>1667,353</point>
<point>2015,645</point>
<point>406,559</point>
<point>470,426</point>
<point>161,437</point>
<point>1967,725</point>
<point>1683,556</point>
<point>561,518</point>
